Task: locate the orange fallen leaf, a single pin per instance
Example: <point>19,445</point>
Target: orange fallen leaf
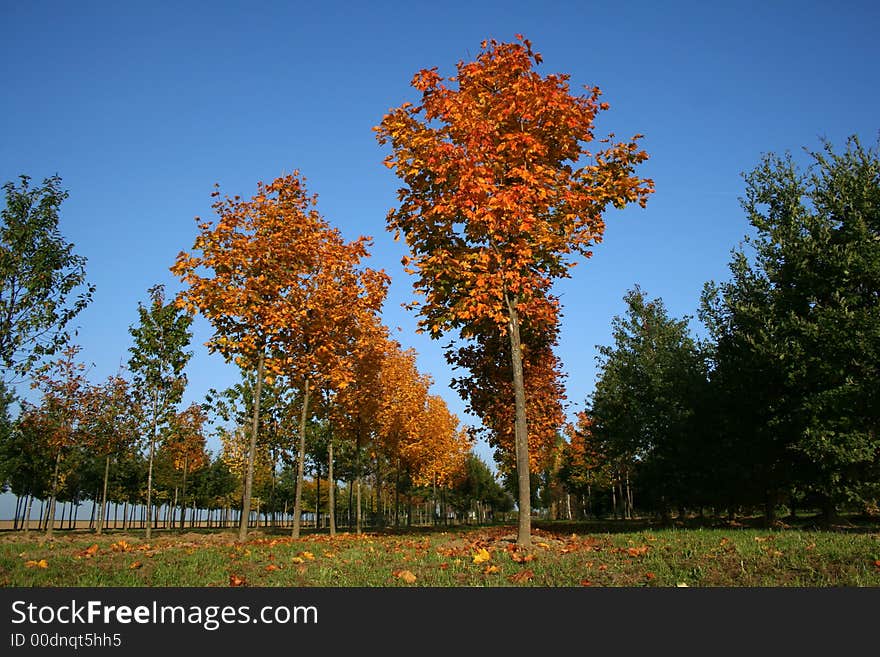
<point>271,567</point>
<point>650,576</point>
<point>522,576</point>
<point>235,580</point>
<point>491,569</point>
<point>877,563</point>
<point>406,575</point>
<point>135,565</point>
<point>120,546</point>
<point>42,563</point>
<point>586,582</point>
<point>603,567</point>
<point>637,551</point>
<point>307,555</point>
<point>89,552</point>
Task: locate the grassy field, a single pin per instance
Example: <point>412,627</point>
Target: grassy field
<point>618,554</point>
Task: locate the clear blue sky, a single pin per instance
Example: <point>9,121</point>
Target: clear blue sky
<point>142,107</point>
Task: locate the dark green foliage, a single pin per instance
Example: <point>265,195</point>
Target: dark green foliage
<point>797,330</point>
<point>39,276</point>
<point>644,409</point>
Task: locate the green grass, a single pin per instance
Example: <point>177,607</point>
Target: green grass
<point>563,555</point>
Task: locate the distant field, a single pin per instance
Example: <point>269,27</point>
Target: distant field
<point>563,555</point>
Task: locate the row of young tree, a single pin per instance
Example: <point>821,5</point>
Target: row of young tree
<point>291,307</point>
<point>503,187</point>
<point>779,403</point>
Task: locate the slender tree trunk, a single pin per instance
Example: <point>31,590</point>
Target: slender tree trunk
<point>331,495</point>
<point>183,493</point>
<point>252,449</point>
<point>50,522</point>
<point>149,529</point>
<point>521,434</point>
<point>614,499</point>
<point>397,494</point>
<point>297,505</point>
<point>27,513</point>
<point>317,498</point>
<point>103,495</point>
<point>18,503</point>
<point>359,520</point>
<point>350,523</point>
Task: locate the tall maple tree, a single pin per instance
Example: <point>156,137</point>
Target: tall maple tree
<point>500,192</point>
<point>277,282</point>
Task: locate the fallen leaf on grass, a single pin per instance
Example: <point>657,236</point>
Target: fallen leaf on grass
<point>406,575</point>
<point>586,582</point>
<point>682,585</point>
<point>877,563</point>
<point>491,569</point>
<point>135,565</point>
<point>42,563</point>
<point>89,552</point>
<point>271,567</point>
<point>649,576</point>
<point>543,545</point>
<point>120,546</point>
<point>297,560</point>
<point>307,555</point>
<point>482,555</point>
<point>235,580</point>
<point>522,558</point>
<point>522,576</point>
<point>637,551</point>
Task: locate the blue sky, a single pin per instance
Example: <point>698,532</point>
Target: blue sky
<point>142,107</point>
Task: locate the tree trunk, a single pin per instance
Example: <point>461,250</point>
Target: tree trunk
<point>359,520</point>
<point>297,504</point>
<point>150,465</point>
<point>379,513</point>
<point>350,523</point>
<point>770,509</point>
<point>331,495</point>
<point>397,494</point>
<point>50,522</point>
<point>252,449</point>
<point>18,503</point>
<point>317,498</point>
<point>521,434</point>
<point>183,494</point>
<point>103,495</point>
<point>27,514</point>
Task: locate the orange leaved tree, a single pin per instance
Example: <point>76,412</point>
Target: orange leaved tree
<point>274,279</point>
<point>337,295</point>
<point>500,193</point>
